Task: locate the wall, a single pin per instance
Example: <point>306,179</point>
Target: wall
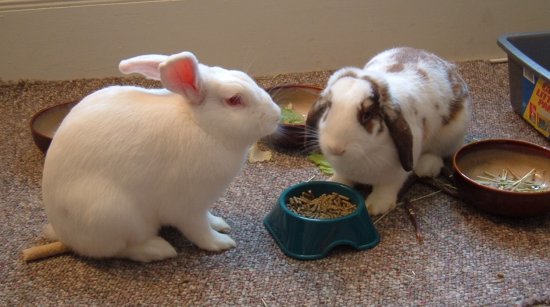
<point>51,40</point>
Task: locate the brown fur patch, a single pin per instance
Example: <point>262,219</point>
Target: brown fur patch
<point>397,67</point>
<point>369,126</point>
<point>380,94</point>
<point>455,107</point>
<point>460,93</point>
<point>380,90</point>
<point>348,73</point>
<point>458,86</point>
<point>318,110</point>
<point>368,115</point>
<point>423,74</point>
<point>400,133</point>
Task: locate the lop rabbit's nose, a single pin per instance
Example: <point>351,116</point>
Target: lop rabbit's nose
<point>336,150</point>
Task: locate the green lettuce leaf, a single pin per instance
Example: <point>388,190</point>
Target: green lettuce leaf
<point>289,116</point>
<point>321,162</point>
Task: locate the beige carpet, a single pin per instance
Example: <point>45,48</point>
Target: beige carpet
<point>468,258</point>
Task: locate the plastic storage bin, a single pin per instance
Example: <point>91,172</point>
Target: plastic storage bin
<point>529,70</point>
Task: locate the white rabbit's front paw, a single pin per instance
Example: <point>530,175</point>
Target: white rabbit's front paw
<point>428,165</point>
<point>379,202</point>
<point>218,223</point>
<point>217,242</point>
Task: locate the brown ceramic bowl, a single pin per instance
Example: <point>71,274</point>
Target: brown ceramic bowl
<point>299,98</point>
<point>495,156</point>
<point>45,122</point>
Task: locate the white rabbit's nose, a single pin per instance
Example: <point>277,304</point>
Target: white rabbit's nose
<point>336,150</point>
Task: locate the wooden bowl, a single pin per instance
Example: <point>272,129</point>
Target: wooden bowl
<point>476,162</point>
<point>299,98</point>
<point>46,121</point>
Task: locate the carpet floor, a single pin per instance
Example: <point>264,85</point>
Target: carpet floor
<point>468,258</point>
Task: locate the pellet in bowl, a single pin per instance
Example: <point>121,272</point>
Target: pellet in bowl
<point>325,206</point>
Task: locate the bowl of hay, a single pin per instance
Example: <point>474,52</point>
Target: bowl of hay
<point>295,101</point>
<point>504,177</point>
<point>312,218</point>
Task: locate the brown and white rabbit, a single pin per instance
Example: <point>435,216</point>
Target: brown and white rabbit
<point>405,110</point>
<point>127,160</point>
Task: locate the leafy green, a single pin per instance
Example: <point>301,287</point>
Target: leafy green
<point>321,162</point>
<point>289,116</point>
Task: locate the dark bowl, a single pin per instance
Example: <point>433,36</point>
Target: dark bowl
<point>46,121</point>
<point>306,238</point>
<point>301,98</point>
<point>497,157</point>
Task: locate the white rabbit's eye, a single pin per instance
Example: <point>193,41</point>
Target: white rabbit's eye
<point>235,101</point>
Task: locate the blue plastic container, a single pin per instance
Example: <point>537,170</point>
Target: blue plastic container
<point>306,238</point>
<point>529,71</point>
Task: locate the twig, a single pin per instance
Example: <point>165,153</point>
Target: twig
<point>425,196</point>
<point>381,217</point>
<point>412,216</point>
<point>311,178</point>
<point>401,203</point>
<point>446,188</point>
<point>410,276</point>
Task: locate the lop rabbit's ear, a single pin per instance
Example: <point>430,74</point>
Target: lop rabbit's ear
<point>317,111</point>
<point>398,127</point>
<point>400,133</point>
<point>146,65</point>
<point>180,74</point>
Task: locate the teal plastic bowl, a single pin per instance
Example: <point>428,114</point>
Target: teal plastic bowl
<point>307,238</point>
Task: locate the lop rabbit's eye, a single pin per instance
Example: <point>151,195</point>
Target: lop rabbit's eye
<point>235,101</point>
<point>365,116</point>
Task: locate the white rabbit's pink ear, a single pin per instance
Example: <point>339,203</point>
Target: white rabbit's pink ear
<point>180,74</point>
<point>146,65</point>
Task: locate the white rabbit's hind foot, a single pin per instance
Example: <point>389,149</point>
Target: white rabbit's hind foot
<point>49,233</point>
<point>428,165</point>
<point>218,224</point>
<point>154,249</point>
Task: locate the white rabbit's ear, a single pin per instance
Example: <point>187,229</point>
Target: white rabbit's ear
<point>146,65</point>
<point>180,74</point>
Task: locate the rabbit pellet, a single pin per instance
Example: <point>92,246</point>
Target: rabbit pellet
<point>326,206</point>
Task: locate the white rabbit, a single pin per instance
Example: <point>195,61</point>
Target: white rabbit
<point>406,109</point>
<point>128,160</point>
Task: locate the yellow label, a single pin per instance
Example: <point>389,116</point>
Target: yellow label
<point>538,110</point>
